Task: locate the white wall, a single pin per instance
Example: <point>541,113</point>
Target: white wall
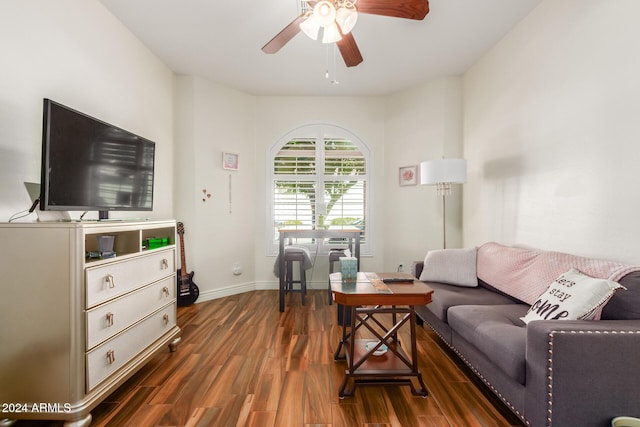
<point>422,123</point>
<point>551,131</point>
<point>75,52</point>
<point>219,230</point>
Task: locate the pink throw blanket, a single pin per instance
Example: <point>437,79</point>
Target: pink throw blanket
<point>525,274</point>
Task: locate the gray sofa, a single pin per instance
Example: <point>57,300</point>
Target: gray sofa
<point>548,372</point>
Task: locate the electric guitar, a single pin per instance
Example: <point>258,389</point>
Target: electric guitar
<point>188,291</point>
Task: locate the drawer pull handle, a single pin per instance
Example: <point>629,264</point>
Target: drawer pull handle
<point>165,318</point>
<point>111,357</point>
<point>109,319</point>
<point>165,263</point>
<point>110,281</point>
<point>165,291</point>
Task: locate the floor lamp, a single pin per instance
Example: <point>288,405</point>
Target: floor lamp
<point>442,173</point>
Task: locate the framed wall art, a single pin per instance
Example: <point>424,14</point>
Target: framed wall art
<point>230,161</point>
<point>408,175</point>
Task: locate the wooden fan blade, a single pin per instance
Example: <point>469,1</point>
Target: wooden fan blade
<point>409,9</point>
<point>349,50</point>
<point>284,36</point>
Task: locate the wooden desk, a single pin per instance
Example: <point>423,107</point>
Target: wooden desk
<point>365,298</point>
<point>352,234</point>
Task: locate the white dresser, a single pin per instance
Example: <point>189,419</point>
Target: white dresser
<point>74,327</point>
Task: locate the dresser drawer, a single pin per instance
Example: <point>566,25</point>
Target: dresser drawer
<point>116,315</point>
<point>119,277</point>
<point>110,356</point>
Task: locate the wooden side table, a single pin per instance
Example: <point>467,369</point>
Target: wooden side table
<point>366,298</point>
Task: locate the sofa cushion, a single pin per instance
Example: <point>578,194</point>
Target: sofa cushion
<point>492,289</point>
<point>445,296</point>
<point>526,274</point>
<point>572,296</point>
<point>452,266</point>
<point>625,305</point>
<point>496,331</point>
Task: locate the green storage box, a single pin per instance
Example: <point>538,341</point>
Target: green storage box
<point>157,242</point>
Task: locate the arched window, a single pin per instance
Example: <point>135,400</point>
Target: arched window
<point>319,177</point>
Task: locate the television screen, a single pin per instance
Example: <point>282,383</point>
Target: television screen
<point>88,164</point>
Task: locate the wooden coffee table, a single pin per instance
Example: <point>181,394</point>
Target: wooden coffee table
<point>365,298</point>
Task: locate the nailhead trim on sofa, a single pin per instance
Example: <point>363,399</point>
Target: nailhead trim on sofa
<point>479,375</point>
<point>550,362</point>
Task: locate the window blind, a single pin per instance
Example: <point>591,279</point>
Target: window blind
<point>318,183</point>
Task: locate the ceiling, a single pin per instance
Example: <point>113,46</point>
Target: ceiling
<point>222,40</point>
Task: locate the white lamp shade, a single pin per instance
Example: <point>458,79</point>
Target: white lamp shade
<point>331,34</point>
<point>324,13</point>
<point>453,171</point>
<point>346,18</point>
<point>311,27</point>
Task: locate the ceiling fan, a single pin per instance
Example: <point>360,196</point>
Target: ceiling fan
<point>337,18</point>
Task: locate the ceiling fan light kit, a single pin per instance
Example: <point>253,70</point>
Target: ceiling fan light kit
<point>338,17</point>
<point>346,18</point>
<point>328,16</point>
<point>310,27</point>
<point>325,13</point>
<point>331,34</point>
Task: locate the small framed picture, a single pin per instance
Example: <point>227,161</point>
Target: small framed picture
<point>230,161</point>
<point>408,175</point>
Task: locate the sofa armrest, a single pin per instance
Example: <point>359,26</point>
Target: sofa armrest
<point>416,268</point>
<point>582,372</point>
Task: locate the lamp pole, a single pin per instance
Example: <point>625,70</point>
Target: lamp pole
<point>444,189</point>
<point>443,173</point>
<point>444,222</point>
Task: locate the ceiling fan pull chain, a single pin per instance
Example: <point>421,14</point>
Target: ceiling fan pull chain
<point>326,57</point>
<point>335,67</point>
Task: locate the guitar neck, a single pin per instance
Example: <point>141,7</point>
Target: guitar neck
<point>183,262</point>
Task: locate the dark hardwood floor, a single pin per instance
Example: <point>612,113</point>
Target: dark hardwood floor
<point>242,363</point>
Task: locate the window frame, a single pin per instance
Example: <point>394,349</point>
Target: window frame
<point>319,132</point>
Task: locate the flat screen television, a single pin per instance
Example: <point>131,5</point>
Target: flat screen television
<point>90,165</point>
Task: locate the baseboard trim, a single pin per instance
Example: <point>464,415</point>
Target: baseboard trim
<point>225,292</point>
<point>248,287</point>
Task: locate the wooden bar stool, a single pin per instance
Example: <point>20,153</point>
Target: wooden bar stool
<point>291,256</point>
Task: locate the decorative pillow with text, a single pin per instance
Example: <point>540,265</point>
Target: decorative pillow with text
<point>451,266</point>
<point>572,296</point>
